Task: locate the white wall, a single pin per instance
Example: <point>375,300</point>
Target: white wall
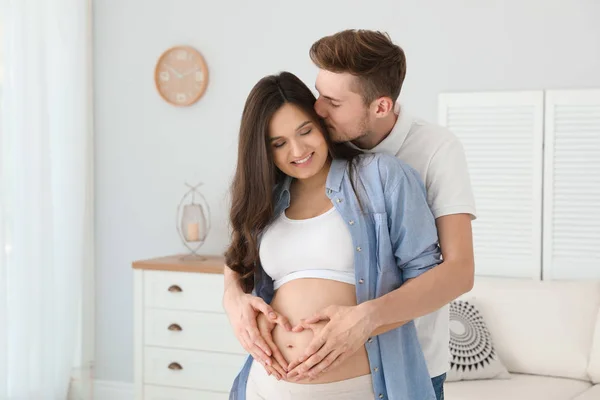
<point>146,149</point>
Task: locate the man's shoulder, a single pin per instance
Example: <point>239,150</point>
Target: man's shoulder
<point>428,136</point>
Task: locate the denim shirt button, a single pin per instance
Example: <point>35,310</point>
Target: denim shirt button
<point>381,395</point>
<point>358,249</point>
<point>370,340</point>
<point>339,200</point>
<point>361,281</point>
<point>351,222</point>
<point>329,191</point>
<point>376,369</point>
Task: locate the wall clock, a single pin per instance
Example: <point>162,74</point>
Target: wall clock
<point>181,75</point>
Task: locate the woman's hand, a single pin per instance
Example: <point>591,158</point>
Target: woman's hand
<point>242,311</point>
<point>279,366</point>
<point>347,329</point>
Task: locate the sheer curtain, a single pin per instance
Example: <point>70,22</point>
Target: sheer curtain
<point>46,200</point>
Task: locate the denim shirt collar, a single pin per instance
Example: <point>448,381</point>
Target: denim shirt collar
<point>335,177</point>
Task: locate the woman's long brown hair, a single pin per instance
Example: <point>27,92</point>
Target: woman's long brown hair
<point>256,175</point>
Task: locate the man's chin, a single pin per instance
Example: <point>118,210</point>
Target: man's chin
<point>338,138</point>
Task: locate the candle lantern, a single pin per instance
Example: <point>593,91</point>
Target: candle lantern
<point>193,219</point>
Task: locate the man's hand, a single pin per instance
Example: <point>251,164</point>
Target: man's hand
<point>242,311</point>
<point>279,366</point>
<point>347,329</point>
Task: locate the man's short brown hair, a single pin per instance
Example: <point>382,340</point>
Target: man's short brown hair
<point>371,56</point>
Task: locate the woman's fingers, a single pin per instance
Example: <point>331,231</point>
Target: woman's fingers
<point>271,370</point>
<point>265,328</point>
<point>278,357</point>
<point>283,321</point>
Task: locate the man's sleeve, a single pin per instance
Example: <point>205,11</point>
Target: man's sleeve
<point>449,188</point>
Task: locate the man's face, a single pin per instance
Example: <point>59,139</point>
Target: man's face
<point>343,110</point>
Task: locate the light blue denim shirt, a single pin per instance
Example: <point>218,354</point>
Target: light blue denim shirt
<point>395,239</point>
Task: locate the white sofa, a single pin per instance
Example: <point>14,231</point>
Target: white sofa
<point>547,334</point>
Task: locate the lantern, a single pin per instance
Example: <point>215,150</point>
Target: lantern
<point>193,219</point>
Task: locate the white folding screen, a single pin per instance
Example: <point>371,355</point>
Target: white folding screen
<point>572,185</point>
<point>502,134</point>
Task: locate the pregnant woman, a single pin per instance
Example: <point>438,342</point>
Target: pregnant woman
<point>317,224</point>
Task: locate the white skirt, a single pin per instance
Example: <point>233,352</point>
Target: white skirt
<point>261,386</point>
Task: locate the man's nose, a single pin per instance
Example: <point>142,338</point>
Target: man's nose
<point>320,108</point>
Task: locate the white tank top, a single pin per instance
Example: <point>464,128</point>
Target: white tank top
<point>319,247</point>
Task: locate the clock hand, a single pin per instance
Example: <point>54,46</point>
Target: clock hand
<point>177,74</point>
<point>191,71</point>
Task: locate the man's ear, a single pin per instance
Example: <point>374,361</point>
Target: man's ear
<point>382,106</point>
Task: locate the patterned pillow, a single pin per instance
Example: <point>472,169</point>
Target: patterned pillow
<point>471,346</point>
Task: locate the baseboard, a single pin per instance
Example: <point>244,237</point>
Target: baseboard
<point>113,390</point>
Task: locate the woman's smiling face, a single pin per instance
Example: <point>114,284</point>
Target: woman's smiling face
<point>298,146</point>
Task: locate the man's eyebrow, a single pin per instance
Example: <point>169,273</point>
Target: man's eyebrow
<point>327,97</point>
<point>298,128</point>
<point>332,99</point>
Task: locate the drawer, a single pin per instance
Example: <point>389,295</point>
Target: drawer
<point>167,393</point>
<point>190,330</point>
<point>183,291</point>
<point>191,369</point>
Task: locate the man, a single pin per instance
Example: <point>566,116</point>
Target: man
<point>361,74</point>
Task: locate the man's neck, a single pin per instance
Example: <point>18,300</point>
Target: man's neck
<point>377,133</point>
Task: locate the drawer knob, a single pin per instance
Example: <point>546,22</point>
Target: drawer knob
<point>175,328</point>
<point>175,289</point>
<point>175,366</point>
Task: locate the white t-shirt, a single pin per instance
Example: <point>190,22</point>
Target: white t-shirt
<point>438,156</point>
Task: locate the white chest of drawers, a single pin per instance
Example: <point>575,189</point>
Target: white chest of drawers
<point>184,346</point>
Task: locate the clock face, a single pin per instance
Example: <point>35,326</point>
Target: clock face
<point>181,75</point>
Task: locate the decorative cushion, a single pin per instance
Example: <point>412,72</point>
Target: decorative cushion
<point>539,327</point>
<point>471,346</point>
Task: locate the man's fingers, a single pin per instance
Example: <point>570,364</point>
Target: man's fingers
<point>322,315</point>
<point>292,366</point>
<point>314,346</point>
<point>316,318</point>
<point>247,343</point>
<point>326,363</point>
<point>315,359</point>
<point>305,363</point>
<point>342,357</point>
<point>260,305</point>
<point>257,339</point>
<point>278,370</point>
<point>259,354</point>
<point>301,371</point>
<point>302,325</point>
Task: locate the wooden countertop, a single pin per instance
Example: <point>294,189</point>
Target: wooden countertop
<point>208,264</point>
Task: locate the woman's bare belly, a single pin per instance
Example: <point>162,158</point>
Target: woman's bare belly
<point>301,298</point>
